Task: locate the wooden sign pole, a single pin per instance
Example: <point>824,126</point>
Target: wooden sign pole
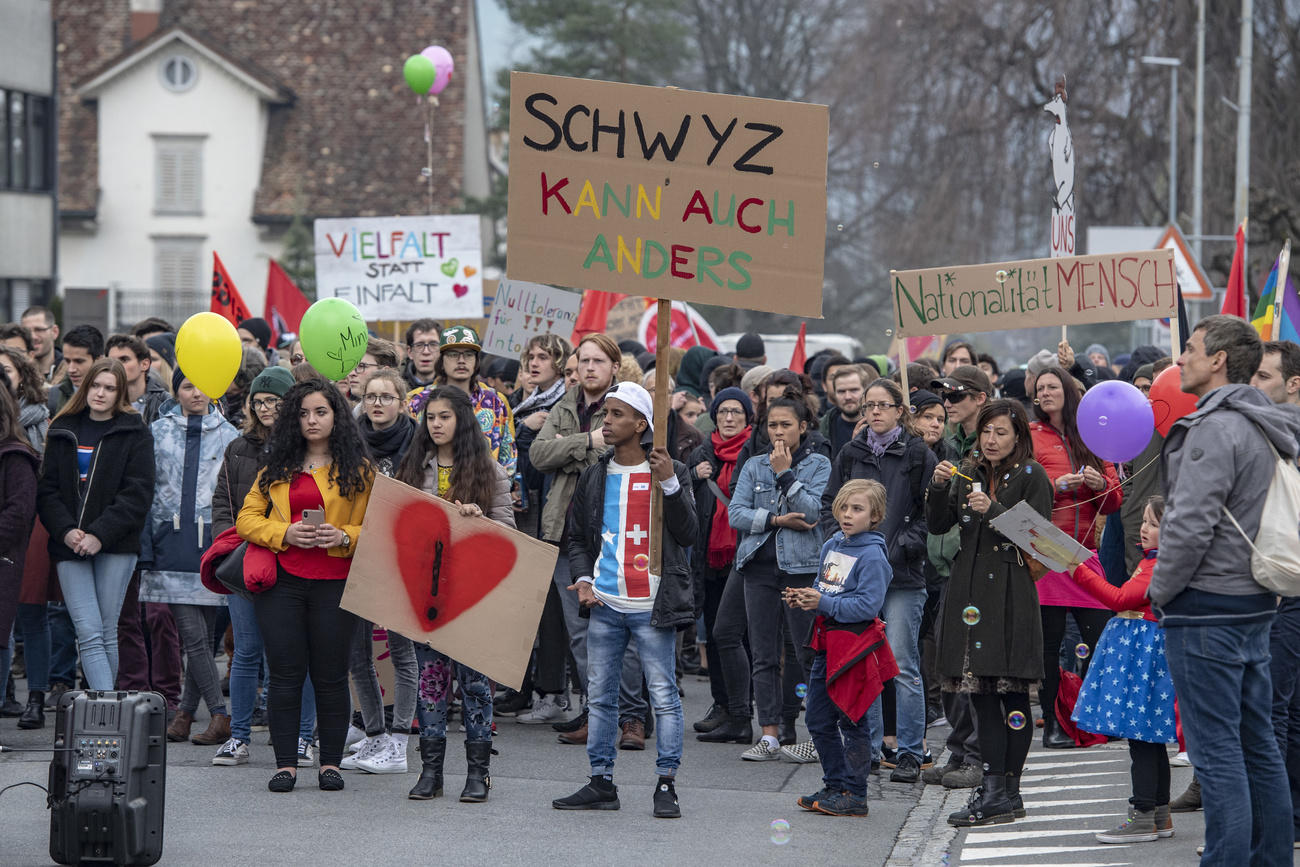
<point>660,434</point>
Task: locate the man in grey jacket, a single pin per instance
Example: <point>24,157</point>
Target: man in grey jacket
<point>1215,617</point>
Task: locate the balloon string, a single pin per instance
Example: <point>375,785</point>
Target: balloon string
<point>1106,492</point>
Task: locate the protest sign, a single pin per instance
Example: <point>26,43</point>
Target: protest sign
<point>1039,538</point>
<point>396,268</point>
<point>469,587</point>
<point>669,193</point>
<point>521,311</point>
<point>1066,290</point>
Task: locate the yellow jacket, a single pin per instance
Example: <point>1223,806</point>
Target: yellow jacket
<point>256,526</point>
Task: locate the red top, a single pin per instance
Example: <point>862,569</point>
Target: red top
<point>310,562</point>
<point>1132,596</point>
<point>1075,512</point>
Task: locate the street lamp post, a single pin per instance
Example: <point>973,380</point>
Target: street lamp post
<point>1173,63</point>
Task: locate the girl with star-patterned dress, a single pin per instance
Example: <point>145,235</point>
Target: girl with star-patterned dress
<point>1128,692</point>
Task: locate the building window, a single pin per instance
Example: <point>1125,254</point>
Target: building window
<point>178,186</point>
<point>178,268</point>
<point>178,73</point>
<point>19,294</point>
<point>25,138</point>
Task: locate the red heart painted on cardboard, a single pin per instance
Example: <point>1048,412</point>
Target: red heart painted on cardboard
<point>460,289</point>
<point>444,579</point>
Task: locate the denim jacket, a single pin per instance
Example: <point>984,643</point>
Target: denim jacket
<point>760,494</point>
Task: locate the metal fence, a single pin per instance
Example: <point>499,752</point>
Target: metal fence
<point>129,306</point>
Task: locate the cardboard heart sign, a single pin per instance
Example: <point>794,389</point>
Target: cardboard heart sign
<point>449,267</point>
<point>470,270</point>
<point>460,289</point>
<point>444,579</point>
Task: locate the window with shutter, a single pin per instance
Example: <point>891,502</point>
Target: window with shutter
<point>178,269</point>
<point>179,175</point>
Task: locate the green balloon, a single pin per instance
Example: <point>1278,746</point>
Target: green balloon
<point>419,73</point>
<point>334,337</point>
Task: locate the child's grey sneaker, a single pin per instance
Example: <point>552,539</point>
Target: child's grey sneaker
<point>1140,827</point>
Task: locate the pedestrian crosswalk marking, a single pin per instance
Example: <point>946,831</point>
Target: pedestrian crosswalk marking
<point>1042,766</point>
<point>1029,780</point>
<point>1037,817</point>
<point>1020,851</point>
<point>982,836</point>
<point>1027,789</point>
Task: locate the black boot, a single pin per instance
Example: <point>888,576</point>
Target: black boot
<point>478,754</point>
<point>736,730</point>
<point>716,716</point>
<point>1013,795</point>
<point>988,806</point>
<point>1053,737</point>
<point>432,752</point>
<point>34,714</point>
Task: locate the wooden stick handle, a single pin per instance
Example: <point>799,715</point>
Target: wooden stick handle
<point>660,435</point>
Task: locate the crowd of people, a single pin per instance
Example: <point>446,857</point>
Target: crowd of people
<point>827,551</point>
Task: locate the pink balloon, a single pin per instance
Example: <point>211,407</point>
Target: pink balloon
<point>443,65</point>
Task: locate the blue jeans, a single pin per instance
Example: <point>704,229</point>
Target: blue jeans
<point>608,634</point>
<point>63,645</point>
<point>34,628</point>
<point>1284,648</point>
<point>246,669</point>
<point>93,590</point>
<point>435,674</point>
<point>847,762</point>
<point>1225,696</point>
<point>902,615</point>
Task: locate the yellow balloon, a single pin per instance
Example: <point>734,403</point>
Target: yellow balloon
<point>209,352</point>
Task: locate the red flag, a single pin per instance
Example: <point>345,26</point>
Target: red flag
<point>800,356</point>
<point>594,312</point>
<point>225,297</point>
<point>285,303</point>
<point>1234,300</point>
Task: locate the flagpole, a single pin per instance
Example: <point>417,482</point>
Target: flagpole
<point>1279,289</point>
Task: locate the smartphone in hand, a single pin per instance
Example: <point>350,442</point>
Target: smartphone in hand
<point>314,517</point>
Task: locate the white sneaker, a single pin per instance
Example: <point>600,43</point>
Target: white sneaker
<point>803,753</point>
<point>355,736</point>
<point>761,752</point>
<point>389,759</point>
<point>306,753</point>
<point>369,748</point>
<point>1180,761</point>
<point>547,709</point>
<point>232,752</point>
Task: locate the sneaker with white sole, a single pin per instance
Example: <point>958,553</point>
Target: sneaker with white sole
<point>369,748</point>
<point>802,753</point>
<point>352,742</point>
<point>306,753</point>
<point>1180,761</point>
<point>232,752</point>
<point>761,752</point>
<point>389,759</point>
<point>547,709</point>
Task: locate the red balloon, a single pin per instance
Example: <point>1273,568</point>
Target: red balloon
<point>1168,401</point>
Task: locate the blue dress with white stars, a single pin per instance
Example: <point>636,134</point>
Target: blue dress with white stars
<point>1128,692</point>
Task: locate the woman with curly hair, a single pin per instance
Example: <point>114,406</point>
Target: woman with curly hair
<point>28,389</point>
<point>450,458</point>
<point>307,507</point>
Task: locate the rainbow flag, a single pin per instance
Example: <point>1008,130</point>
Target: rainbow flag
<point>1267,308</point>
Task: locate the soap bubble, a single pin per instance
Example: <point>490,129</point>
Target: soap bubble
<point>641,562</point>
<point>970,615</point>
<point>839,227</point>
<point>1101,420</point>
<point>1001,276</point>
<point>1016,720</point>
<point>889,332</point>
<point>780,832</point>
<point>802,689</point>
<point>965,519</point>
<point>978,645</point>
<point>1082,650</point>
<point>875,164</point>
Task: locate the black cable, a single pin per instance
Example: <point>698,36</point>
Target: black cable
<point>26,783</point>
<point>4,749</point>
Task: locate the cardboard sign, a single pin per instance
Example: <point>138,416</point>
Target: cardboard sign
<point>1039,538</point>
<point>668,193</point>
<point>1068,290</point>
<point>521,311</point>
<point>402,267</point>
<point>469,587</point>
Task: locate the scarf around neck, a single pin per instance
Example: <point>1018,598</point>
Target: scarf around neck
<point>879,442</point>
<point>541,399</point>
<point>722,538</point>
<point>388,445</point>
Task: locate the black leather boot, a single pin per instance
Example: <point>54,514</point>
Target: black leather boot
<point>1013,796</point>
<point>34,714</point>
<point>432,752</point>
<point>988,806</point>
<point>716,716</point>
<point>478,754</point>
<point>736,730</point>
<point>1053,737</point>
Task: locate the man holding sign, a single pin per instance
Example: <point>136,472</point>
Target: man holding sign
<point>608,547</point>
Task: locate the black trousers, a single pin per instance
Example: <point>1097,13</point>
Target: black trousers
<point>1150,770</point>
<point>1002,747</point>
<point>304,629</point>
<point>712,581</point>
<point>1091,623</point>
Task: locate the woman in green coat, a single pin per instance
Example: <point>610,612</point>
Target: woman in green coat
<point>990,633</point>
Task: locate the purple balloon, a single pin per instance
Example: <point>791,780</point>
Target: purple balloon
<point>443,65</point>
<point>1115,420</point>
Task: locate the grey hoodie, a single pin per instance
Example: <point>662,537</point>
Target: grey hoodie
<point>1215,456</point>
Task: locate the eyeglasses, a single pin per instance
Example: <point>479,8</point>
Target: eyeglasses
<point>730,411</point>
<point>380,399</point>
<point>872,406</point>
<point>956,396</point>
<point>424,346</point>
<point>297,358</point>
<point>459,354</point>
<point>363,366</point>
<point>266,403</point>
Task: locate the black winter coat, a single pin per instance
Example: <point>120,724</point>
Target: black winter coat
<point>18,465</point>
<point>675,601</point>
<point>119,487</point>
<point>238,473</point>
<point>905,470</point>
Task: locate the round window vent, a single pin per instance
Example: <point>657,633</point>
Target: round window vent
<point>179,73</point>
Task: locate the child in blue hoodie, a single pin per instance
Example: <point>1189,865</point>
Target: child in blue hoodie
<point>852,657</point>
